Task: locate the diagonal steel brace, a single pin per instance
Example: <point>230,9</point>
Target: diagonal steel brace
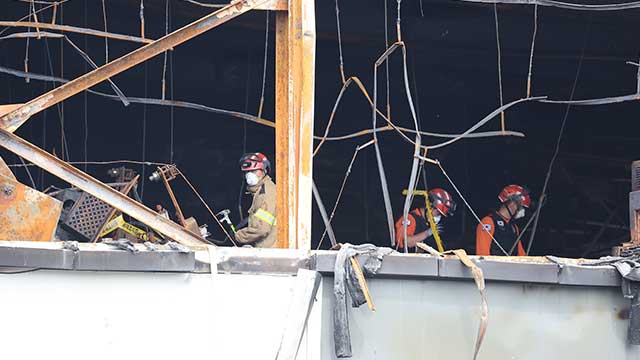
<point>96,188</point>
<point>13,120</point>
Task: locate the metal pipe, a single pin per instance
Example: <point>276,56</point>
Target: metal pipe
<point>16,118</point>
<point>96,188</point>
<point>73,29</point>
<point>323,213</point>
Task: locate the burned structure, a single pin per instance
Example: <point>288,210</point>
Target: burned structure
<point>121,124</point>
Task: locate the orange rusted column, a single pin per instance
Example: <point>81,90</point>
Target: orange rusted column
<point>295,75</point>
<point>282,120</point>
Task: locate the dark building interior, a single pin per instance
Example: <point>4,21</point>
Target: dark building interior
<point>454,80</point>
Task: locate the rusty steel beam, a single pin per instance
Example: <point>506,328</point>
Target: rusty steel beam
<point>17,117</point>
<point>295,42</point>
<point>96,188</point>
<point>5,109</point>
<point>74,29</point>
<point>282,119</point>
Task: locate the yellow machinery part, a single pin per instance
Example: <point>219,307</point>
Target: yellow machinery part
<point>119,223</point>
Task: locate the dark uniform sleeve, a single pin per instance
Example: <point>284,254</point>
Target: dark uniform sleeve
<point>261,219</point>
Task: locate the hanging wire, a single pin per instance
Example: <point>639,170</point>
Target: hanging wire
<point>418,139</point>
<point>44,129</point>
<point>638,81</point>
<point>54,13</point>
<point>495,13</point>
<point>415,90</point>
<point>63,138</point>
<point>338,29</point>
<point>184,177</point>
<point>106,39</point>
<point>46,78</point>
<point>44,34</point>
<point>90,61</point>
<point>567,5</point>
<point>398,30</point>
<point>543,193</point>
<point>141,19</point>
<point>374,130</point>
<point>149,101</point>
<point>468,205</point>
<point>166,31</point>
<point>365,195</point>
<point>85,95</point>
<point>486,119</point>
<point>241,191</point>
<point>171,98</point>
<point>533,43</point>
<point>144,132</point>
<point>35,17</point>
<point>26,52</point>
<point>522,232</point>
<point>55,5</point>
<point>33,183</point>
<point>172,120</point>
<point>264,65</point>
<point>386,64</point>
<point>381,172</point>
<point>246,101</point>
<point>344,183</point>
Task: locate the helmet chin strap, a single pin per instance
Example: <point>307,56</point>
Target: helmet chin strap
<point>511,215</point>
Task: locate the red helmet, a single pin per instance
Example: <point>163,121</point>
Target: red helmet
<point>255,161</point>
<point>442,201</point>
<point>516,193</point>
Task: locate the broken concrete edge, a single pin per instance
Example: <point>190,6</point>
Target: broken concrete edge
<point>101,257</point>
<point>508,269</point>
<point>92,257</point>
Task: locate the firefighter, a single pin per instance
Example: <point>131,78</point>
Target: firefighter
<point>260,230</point>
<point>418,228</point>
<point>500,226</point>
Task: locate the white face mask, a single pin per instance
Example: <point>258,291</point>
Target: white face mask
<point>252,179</point>
<point>520,213</point>
<point>437,218</point>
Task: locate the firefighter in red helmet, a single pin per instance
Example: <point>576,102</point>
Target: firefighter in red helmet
<point>260,230</point>
<point>418,228</point>
<point>497,232</point>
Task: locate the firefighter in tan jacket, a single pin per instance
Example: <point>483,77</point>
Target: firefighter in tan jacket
<point>261,230</point>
